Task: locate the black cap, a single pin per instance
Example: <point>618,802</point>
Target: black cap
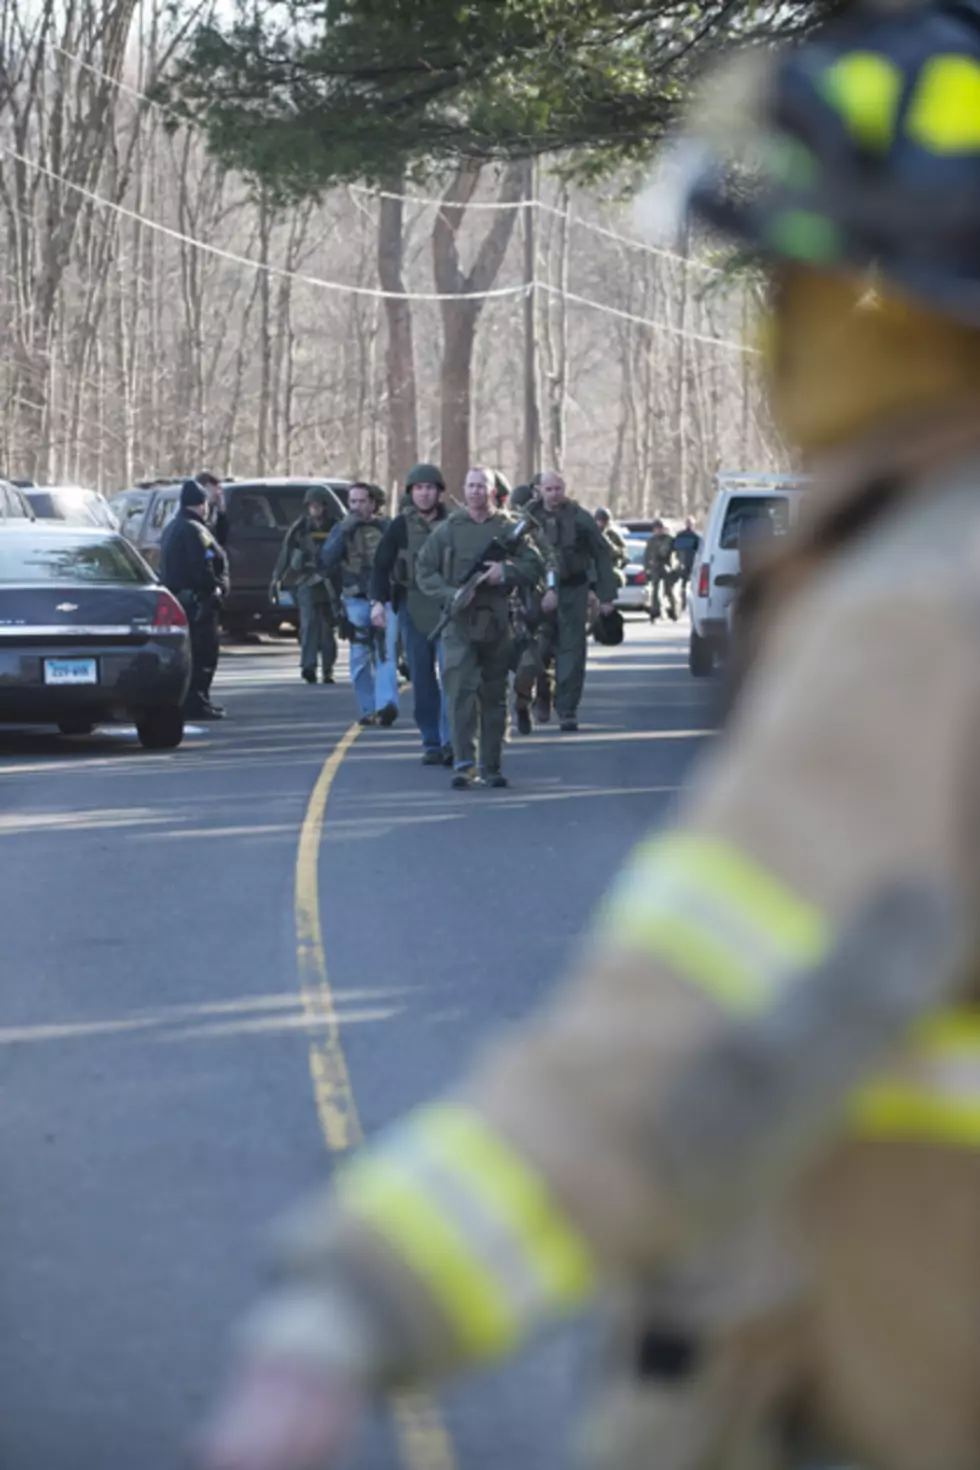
<point>205,477</point>
<point>191,494</point>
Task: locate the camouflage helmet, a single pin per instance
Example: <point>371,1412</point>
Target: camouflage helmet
<point>317,495</point>
<point>425,474</point>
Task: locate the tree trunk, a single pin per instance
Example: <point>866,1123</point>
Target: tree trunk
<point>402,449</point>
<point>460,316</point>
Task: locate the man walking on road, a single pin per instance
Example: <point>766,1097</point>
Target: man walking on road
<point>298,570</point>
<point>195,568</point>
<point>477,643</point>
<point>657,564</point>
<point>575,551</point>
<point>687,544</point>
<point>395,591</point>
<point>617,545</point>
<point>349,552</point>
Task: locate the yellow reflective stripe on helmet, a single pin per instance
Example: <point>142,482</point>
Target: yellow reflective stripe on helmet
<point>944,114</point>
<point>474,1223</point>
<point>715,915</point>
<point>934,1094</point>
<point>517,1197</point>
<point>866,89</point>
<point>387,1196</point>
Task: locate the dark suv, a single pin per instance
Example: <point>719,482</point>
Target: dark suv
<point>259,514</point>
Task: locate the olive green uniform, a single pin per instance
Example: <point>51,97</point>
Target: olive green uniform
<point>577,552</point>
<point>297,569</point>
<point>657,562</point>
<point>617,547</point>
<point>477,644</point>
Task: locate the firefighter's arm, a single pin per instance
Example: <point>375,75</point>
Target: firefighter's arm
<point>484,1216</point>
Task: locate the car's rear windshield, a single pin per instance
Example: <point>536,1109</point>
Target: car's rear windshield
<point>70,560</point>
<point>77,507</point>
<point>747,514</point>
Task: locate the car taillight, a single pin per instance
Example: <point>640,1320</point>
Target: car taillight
<point>704,580</point>
<point>639,579</point>
<point>169,615</point>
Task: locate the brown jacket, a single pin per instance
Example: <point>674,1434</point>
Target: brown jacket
<point>850,761</point>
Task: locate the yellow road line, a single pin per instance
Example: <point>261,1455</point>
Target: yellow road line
<point>423,1440</point>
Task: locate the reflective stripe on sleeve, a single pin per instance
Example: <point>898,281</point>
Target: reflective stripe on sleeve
<point>474,1224</point>
<point>934,1093</point>
<point>716,916</point>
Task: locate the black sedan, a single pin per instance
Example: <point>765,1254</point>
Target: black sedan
<point>87,635</point>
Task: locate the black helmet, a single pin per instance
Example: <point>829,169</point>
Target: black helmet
<point>317,494</point>
<point>425,474</point>
<point>862,150</point>
<point>609,628</point>
<point>602,511</point>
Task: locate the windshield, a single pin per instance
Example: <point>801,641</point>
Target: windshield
<point>77,507</point>
<point>59,557</point>
<point>747,514</point>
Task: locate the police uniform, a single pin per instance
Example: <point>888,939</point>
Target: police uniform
<point>840,1321</point>
<point>297,569</point>
<point>349,553</point>
<point>477,643</point>
<point>195,569</point>
<point>578,555</point>
<point>657,563</point>
<point>394,584</point>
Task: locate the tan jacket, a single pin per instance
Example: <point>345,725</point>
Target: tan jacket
<point>851,760</point>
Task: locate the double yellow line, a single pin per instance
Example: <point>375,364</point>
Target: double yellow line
<point>423,1440</point>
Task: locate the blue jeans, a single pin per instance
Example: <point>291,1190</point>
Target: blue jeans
<point>424,659</point>
<point>375,684</point>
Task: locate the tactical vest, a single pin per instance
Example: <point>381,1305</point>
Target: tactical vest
<point>423,611</point>
<point>361,549</point>
<point>487,618</point>
<point>561,528</point>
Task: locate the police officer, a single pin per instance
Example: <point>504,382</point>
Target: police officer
<point>349,553</point>
<point>477,643</point>
<point>687,544</point>
<point>216,518</point>
<point>395,591</point>
<point>657,559</point>
<point>297,569</point>
<point>577,554</point>
<point>617,545</point>
<point>195,568</point>
<point>559,1164</point>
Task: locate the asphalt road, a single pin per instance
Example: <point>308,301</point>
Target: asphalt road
<point>157,1099</point>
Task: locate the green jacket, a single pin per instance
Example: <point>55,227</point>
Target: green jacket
<point>576,549</point>
<point>450,554</point>
<point>298,561</point>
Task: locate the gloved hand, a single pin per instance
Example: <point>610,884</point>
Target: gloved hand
<point>280,1415</point>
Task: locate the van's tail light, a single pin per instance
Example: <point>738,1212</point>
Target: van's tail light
<point>704,580</point>
<point>639,579</point>
<point>169,616</point>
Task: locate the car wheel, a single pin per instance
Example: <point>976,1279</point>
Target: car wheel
<point>76,727</point>
<point>700,656</point>
<point>237,629</point>
<point>161,729</point>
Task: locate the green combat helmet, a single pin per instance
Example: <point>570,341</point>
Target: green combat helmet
<point>425,474</point>
<point>317,495</point>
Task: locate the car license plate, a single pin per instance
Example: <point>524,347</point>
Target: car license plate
<point>71,671</point>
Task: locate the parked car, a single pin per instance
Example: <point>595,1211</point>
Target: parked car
<point>14,505</point>
<point>87,635</point>
<point>635,595</point>
<point>259,513</point>
<point>73,504</point>
<point>740,504</point>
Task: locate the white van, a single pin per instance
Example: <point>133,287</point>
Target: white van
<point>740,504</point>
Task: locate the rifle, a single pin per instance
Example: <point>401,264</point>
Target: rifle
<point>497,549</point>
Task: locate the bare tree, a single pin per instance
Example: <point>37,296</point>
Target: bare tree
<point>460,317</point>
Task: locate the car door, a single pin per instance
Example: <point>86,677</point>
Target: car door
<point>162,511</point>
